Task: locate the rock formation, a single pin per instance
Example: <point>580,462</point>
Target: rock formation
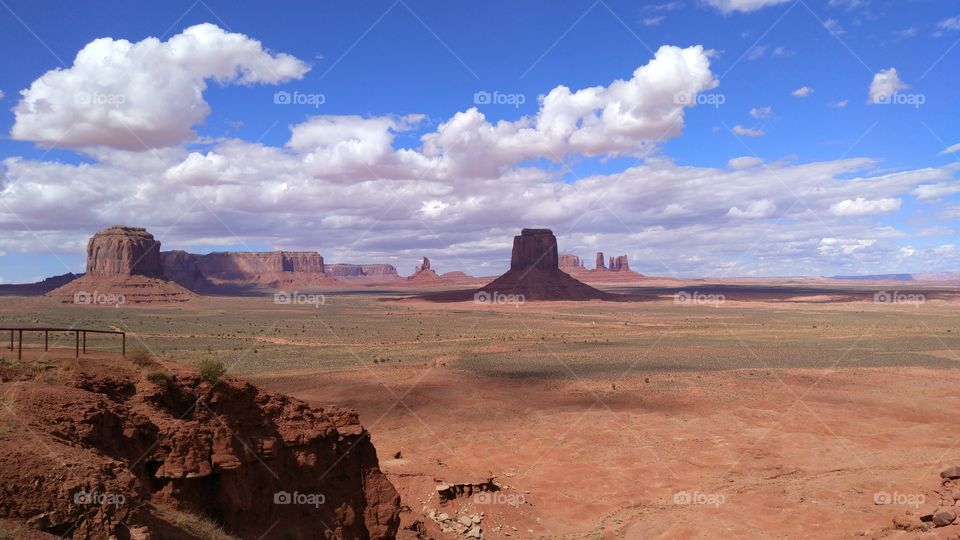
<point>246,270</point>
<point>570,261</point>
<point>123,251</point>
<point>117,452</point>
<point>599,265</point>
<point>348,271</point>
<point>535,273</point>
<point>123,267</point>
<point>619,263</point>
<point>424,272</point>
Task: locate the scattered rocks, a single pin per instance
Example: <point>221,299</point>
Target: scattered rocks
<point>942,518</point>
<point>465,525</point>
<point>950,473</point>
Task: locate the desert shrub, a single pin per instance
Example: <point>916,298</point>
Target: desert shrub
<point>160,378</point>
<point>140,356</point>
<point>211,369</point>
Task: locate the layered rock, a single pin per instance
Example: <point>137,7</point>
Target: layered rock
<point>535,272</point>
<point>599,264</point>
<point>130,455</point>
<point>246,269</point>
<point>340,271</point>
<point>123,251</point>
<point>619,263</point>
<point>123,267</point>
<point>570,261</point>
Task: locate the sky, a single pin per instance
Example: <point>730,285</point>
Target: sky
<point>702,138</point>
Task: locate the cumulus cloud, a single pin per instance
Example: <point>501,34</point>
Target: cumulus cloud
<point>862,207</point>
<point>744,162</point>
<point>145,94</point>
<point>743,6</point>
<point>803,91</point>
<point>839,104</point>
<point>761,112</point>
<point>755,210</point>
<point>950,23</point>
<point>885,83</point>
<point>747,132</point>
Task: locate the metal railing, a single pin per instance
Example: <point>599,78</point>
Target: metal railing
<point>80,334</point>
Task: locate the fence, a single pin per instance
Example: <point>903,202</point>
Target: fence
<point>80,334</point>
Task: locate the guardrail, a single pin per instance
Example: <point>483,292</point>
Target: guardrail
<point>79,332</point>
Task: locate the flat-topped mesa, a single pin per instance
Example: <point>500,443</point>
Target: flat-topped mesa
<point>123,251</point>
<point>247,264</point>
<point>570,261</point>
<point>535,248</point>
<point>361,270</point>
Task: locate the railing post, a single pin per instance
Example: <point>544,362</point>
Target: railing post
<point>84,343</point>
<point>20,347</point>
<point>11,340</point>
<point>77,346</point>
<point>46,340</point>
<point>124,336</point>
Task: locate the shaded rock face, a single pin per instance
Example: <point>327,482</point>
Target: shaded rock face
<point>361,270</point>
<point>168,450</point>
<point>183,268</point>
<point>425,265</point>
<point>535,248</point>
<point>123,251</point>
<point>535,273</point>
<point>599,264</point>
<point>424,272</point>
<point>233,265</point>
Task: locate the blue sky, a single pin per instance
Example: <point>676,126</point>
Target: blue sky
<point>393,59</point>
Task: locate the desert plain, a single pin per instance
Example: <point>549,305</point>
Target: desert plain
<point>756,411</point>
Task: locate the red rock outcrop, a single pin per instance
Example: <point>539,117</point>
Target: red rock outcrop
<point>123,267</point>
<point>535,273</point>
<point>423,272</point>
<point>123,251</point>
<point>570,261</point>
<point>340,271</point>
<point>116,453</point>
<point>619,263</point>
<point>248,270</point>
<point>599,264</point>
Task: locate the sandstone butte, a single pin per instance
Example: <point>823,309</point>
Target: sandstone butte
<point>535,272</point>
<point>123,264</point>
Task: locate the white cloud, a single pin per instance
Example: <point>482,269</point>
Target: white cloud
<point>885,84</point>
<point>849,4</point>
<point>907,32</point>
<point>744,162</point>
<point>936,191</point>
<point>862,207</point>
<point>756,52</point>
<point>743,6</point>
<point>803,91</point>
<point>2,95</point>
<point>834,26</point>
<point>839,104</point>
<point>843,246</point>
<point>747,132</point>
<point>149,93</point>
<point>761,112</point>
<point>654,21</point>
<point>755,210</point>
<point>953,149</point>
<point>951,23</point>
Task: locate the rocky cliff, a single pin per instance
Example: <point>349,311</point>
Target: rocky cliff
<point>123,251</point>
<point>339,271</point>
<point>123,268</point>
<point>535,273</point>
<point>158,452</point>
<point>246,269</point>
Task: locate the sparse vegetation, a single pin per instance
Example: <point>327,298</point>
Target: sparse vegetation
<point>160,378</point>
<point>140,356</point>
<point>211,369</point>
